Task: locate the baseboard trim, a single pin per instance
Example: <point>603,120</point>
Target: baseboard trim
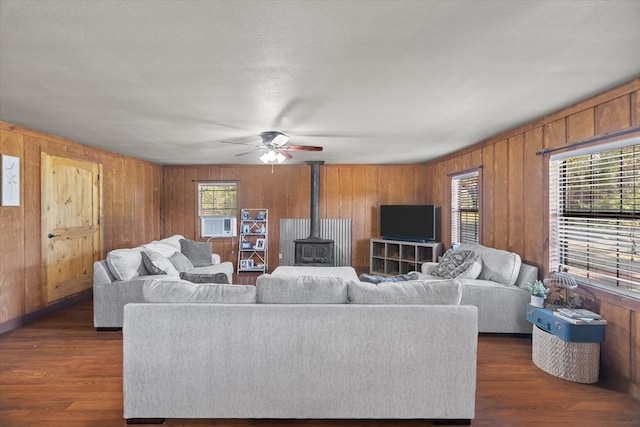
<point>35,315</point>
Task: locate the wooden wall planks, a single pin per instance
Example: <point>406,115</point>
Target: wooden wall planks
<point>346,191</point>
<point>130,212</point>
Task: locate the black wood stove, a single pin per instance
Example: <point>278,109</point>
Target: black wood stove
<point>314,251</point>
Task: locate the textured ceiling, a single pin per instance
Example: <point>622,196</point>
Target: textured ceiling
<point>370,81</point>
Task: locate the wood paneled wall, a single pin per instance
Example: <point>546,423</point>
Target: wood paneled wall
<point>346,191</point>
<point>514,203</point>
<point>130,212</point>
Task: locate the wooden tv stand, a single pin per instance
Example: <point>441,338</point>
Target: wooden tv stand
<point>394,257</point>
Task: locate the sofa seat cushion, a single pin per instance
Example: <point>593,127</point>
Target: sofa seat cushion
<point>414,292</point>
<point>177,291</point>
<point>157,263</point>
<point>276,289</point>
<point>125,264</point>
<point>497,265</point>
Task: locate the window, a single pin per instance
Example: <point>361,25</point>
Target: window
<point>465,213</point>
<point>594,199</point>
<point>217,207</point>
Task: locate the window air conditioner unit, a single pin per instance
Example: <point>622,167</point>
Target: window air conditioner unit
<point>218,226</point>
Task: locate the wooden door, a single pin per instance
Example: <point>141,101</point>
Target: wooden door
<point>70,225</point>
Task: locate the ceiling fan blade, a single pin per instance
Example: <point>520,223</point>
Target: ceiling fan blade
<point>285,154</point>
<point>244,154</point>
<point>302,148</point>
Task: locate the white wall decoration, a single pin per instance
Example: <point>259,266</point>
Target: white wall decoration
<point>10,180</point>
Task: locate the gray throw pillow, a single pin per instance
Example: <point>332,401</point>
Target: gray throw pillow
<point>413,292</point>
<point>157,263</point>
<point>205,278</point>
<point>454,263</point>
<point>199,253</point>
<point>372,278</point>
<point>181,262</point>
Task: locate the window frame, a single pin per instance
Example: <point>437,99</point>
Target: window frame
<point>229,211</point>
<point>457,210</point>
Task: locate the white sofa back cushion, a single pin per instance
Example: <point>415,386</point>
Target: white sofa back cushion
<point>497,265</point>
<point>275,289</point>
<point>125,264</point>
<point>412,292</point>
<point>166,247</point>
<point>170,291</point>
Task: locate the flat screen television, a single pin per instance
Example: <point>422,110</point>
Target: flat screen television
<point>415,223</point>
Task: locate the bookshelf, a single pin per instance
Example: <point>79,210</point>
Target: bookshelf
<point>393,257</point>
<point>253,248</point>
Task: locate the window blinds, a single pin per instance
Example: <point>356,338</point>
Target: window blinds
<point>217,199</point>
<point>595,215</point>
<point>465,215</point>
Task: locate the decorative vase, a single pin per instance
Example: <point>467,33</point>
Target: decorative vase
<point>537,301</point>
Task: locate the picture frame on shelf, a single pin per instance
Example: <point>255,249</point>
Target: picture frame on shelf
<point>260,244</point>
<point>261,215</point>
<point>246,229</point>
<point>245,215</point>
<point>246,244</point>
<point>246,263</point>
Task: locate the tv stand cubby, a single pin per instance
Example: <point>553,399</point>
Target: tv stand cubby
<point>394,257</point>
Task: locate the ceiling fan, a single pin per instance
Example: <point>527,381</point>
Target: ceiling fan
<point>276,149</point>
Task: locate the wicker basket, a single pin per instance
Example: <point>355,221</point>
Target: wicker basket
<point>573,361</point>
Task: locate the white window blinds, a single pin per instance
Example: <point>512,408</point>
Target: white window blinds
<point>595,215</point>
<point>465,215</point>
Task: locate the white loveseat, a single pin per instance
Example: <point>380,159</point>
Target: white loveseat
<point>118,279</point>
<point>500,291</point>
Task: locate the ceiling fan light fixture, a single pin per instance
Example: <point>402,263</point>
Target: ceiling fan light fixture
<point>280,157</point>
<point>271,156</point>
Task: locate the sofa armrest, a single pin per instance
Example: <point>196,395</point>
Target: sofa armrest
<point>428,267</point>
<point>215,258</point>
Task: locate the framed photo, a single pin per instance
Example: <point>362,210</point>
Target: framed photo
<point>246,263</point>
<point>245,215</point>
<point>261,215</point>
<point>246,229</point>
<point>260,244</point>
<point>10,180</point>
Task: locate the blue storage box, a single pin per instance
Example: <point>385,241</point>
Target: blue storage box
<point>545,320</point>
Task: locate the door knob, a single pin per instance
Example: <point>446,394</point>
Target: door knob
<point>51,235</point>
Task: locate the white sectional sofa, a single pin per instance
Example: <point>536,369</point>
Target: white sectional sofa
<point>118,279</point>
<point>499,291</point>
<point>300,347</point>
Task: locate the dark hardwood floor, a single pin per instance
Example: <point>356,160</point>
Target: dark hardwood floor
<point>58,371</point>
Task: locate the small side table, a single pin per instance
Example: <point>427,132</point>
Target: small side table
<point>565,350</point>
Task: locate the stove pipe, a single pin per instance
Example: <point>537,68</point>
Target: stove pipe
<point>315,200</point>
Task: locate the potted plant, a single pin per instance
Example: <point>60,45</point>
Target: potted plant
<point>538,293</point>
